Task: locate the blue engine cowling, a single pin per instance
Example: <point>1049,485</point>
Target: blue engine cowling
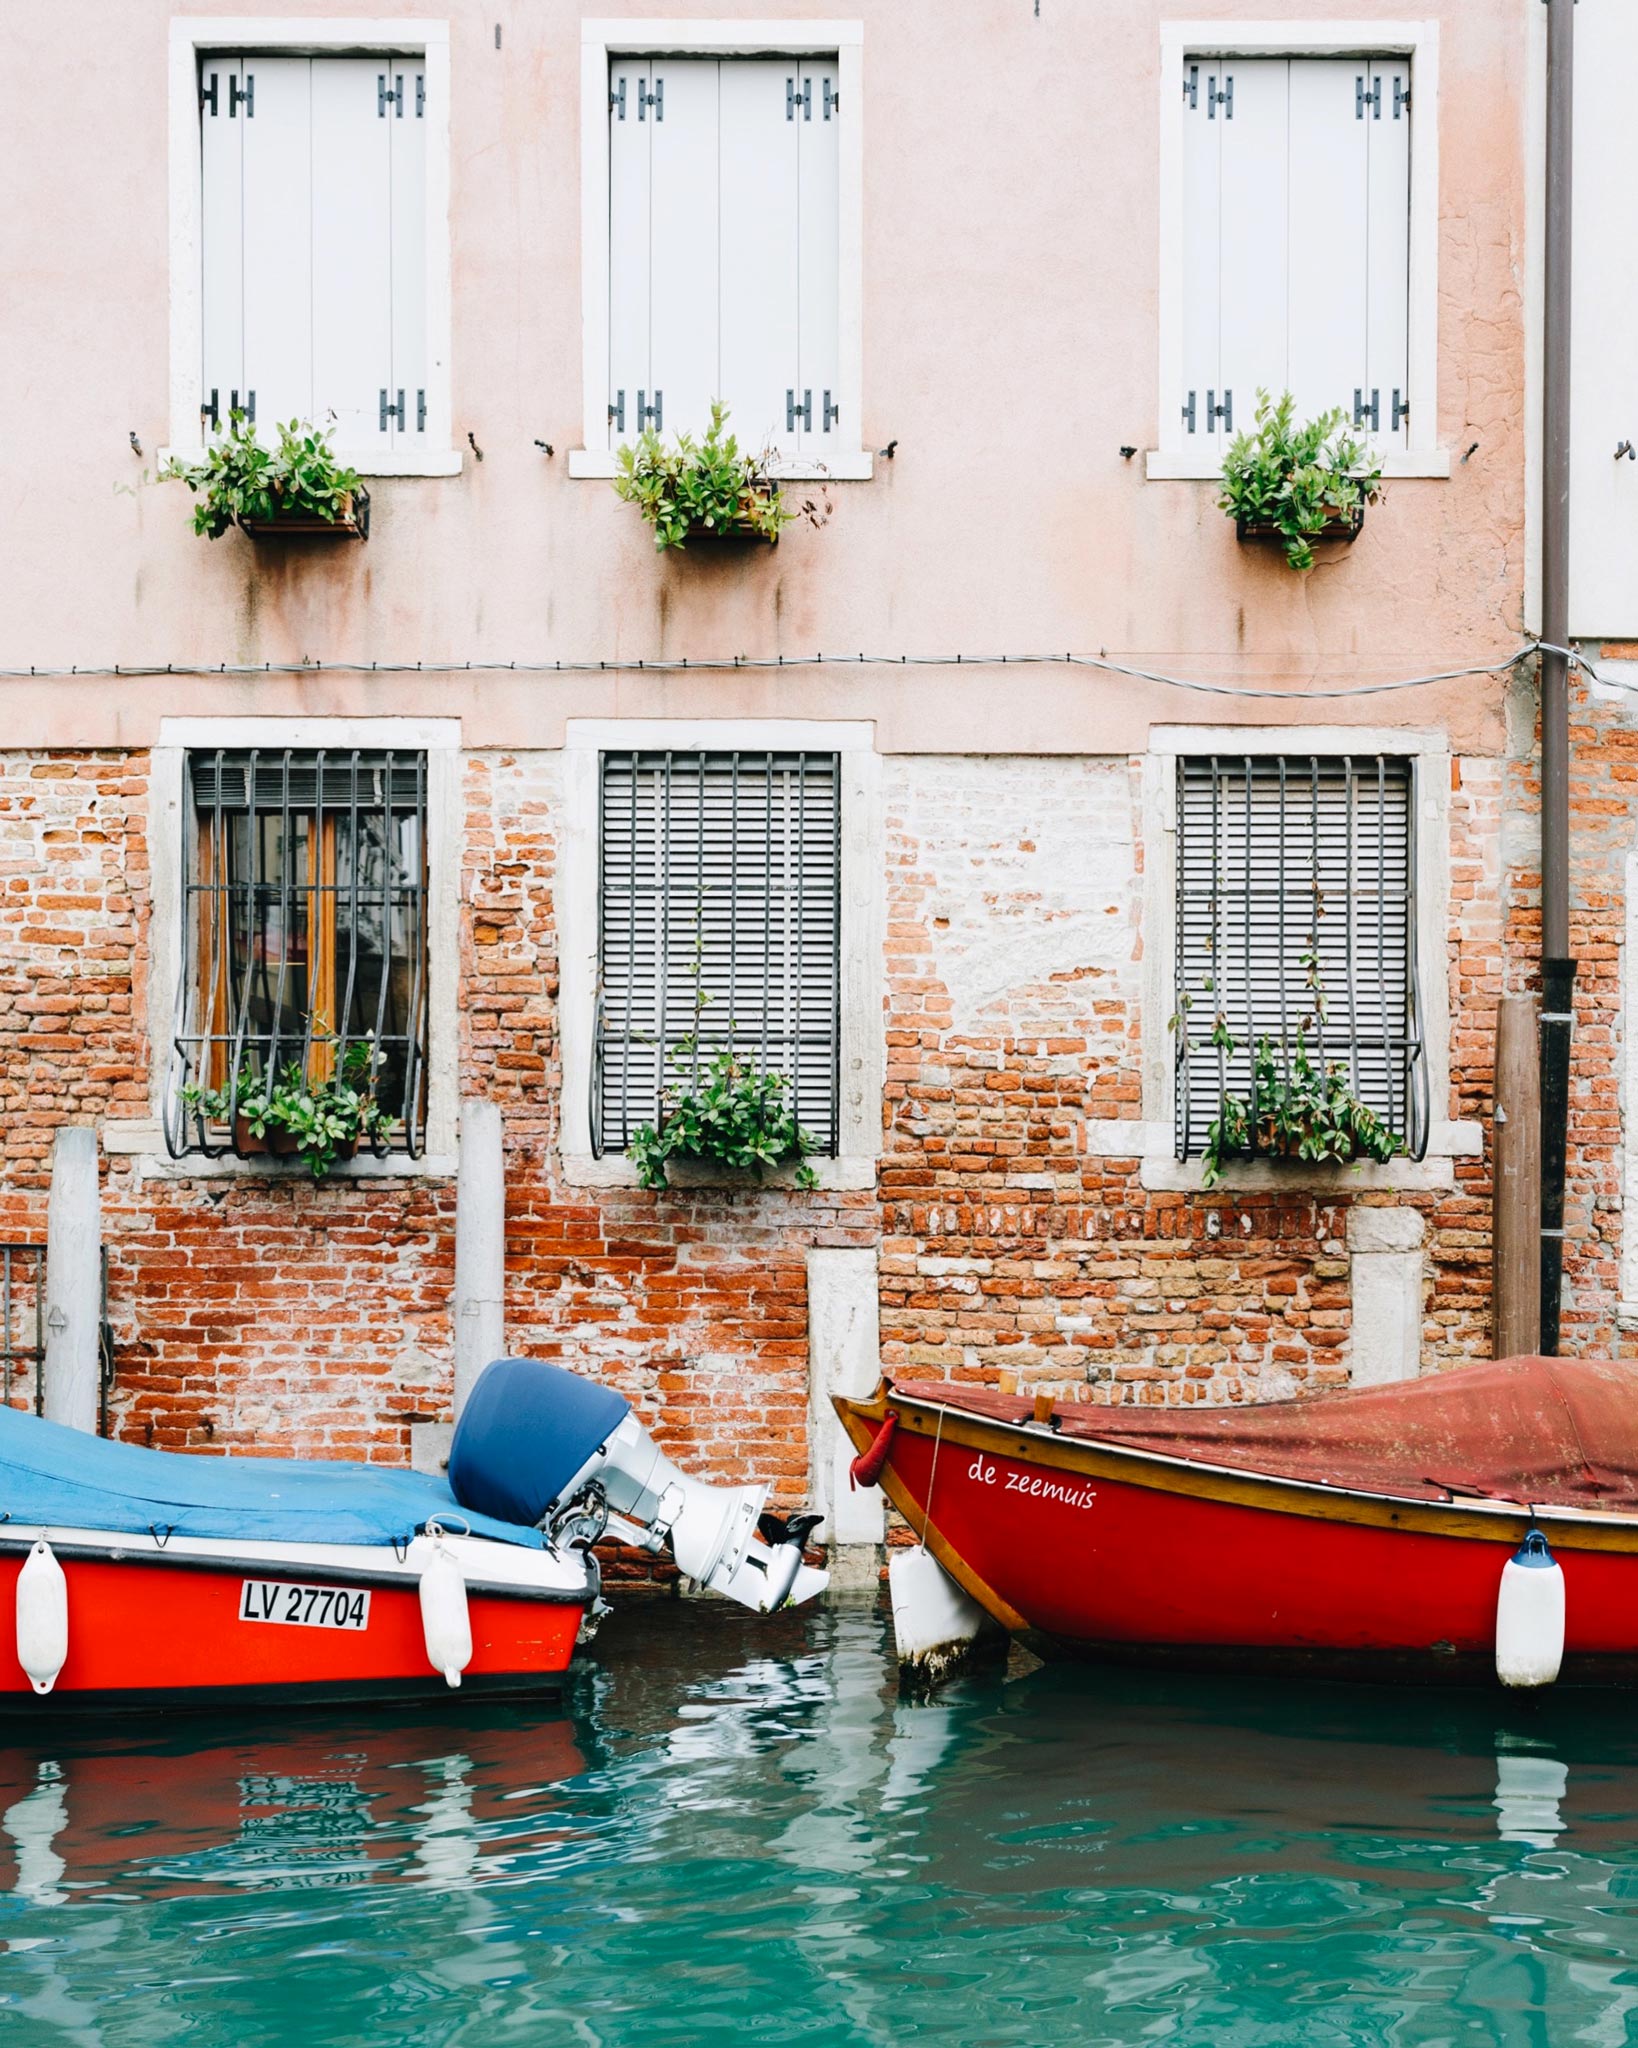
<point>528,1429</point>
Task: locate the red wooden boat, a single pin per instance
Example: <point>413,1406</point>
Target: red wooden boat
<point>141,1578</point>
<point>1358,1533</point>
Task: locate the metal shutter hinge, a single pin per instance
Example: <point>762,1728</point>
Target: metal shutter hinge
<point>795,412</point>
<point>211,411</point>
<point>420,412</point>
<point>1223,98</point>
<point>1401,96</point>
<point>248,408</point>
<point>654,412</point>
<point>1401,409</point>
<point>1371,412</point>
<point>1191,85</point>
<point>654,99</point>
<point>831,413</point>
<point>617,411</point>
<point>420,95</point>
<point>207,95</point>
<point>392,412</point>
<point>1223,412</point>
<point>798,95</point>
<point>389,95</point>
<point>1188,413</point>
<point>833,99</point>
<point>617,100</point>
<point>242,95</point>
<point>1367,96</point>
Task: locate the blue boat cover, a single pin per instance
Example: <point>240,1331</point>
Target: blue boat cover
<point>62,1478</point>
<point>526,1430</point>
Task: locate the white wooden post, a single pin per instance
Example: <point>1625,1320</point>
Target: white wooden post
<point>844,1357</point>
<point>73,1281</point>
<point>480,1245</point>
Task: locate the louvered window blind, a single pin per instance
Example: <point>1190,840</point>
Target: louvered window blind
<point>305,927</point>
<point>719,930</point>
<point>1296,920</point>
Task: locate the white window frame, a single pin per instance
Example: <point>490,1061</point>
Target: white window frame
<point>168,796</point>
<point>320,37</point>
<point>576,890</point>
<point>1419,42</point>
<point>602,40</point>
<point>1151,1139</point>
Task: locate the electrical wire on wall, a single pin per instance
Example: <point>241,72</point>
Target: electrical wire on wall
<point>734,663</point>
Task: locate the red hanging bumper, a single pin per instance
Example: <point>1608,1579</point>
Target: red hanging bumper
<point>866,1468</point>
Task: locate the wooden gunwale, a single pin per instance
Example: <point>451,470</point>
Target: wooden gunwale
<point>1485,1521</point>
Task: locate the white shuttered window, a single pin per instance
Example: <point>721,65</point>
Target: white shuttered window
<point>314,244</point>
<point>1296,241</point>
<point>724,248</point>
<point>719,923</point>
<point>1296,920</point>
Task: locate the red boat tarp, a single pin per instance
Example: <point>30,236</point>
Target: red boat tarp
<point>1559,1432</point>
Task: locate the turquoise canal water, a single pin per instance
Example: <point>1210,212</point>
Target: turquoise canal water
<point>733,1831</point>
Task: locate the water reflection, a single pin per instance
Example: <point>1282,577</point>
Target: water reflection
<point>734,1827</point>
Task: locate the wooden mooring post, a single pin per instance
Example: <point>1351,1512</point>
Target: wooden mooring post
<point>1515,1232</point>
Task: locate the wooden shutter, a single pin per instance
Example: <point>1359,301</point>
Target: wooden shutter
<point>1291,869</point>
<point>724,246</point>
<point>684,243</point>
<point>407,149</point>
<point>221,86</point>
<point>1296,240</point>
<point>757,313</point>
<point>720,886</point>
<point>630,384</point>
<point>1387,257</point>
<point>277,200</point>
<point>818,238</point>
<point>1202,250</point>
<point>1256,249</point>
<point>352,247</point>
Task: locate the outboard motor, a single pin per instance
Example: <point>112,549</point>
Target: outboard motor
<point>539,1445</point>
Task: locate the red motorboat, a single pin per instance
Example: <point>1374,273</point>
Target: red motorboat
<point>145,1579</point>
<point>1361,1533</point>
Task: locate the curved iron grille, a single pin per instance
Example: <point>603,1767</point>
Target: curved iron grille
<point>719,921</point>
<point>306,930</point>
<point>1296,920</point>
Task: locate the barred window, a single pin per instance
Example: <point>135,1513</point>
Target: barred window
<point>305,929</point>
<point>719,921</point>
<point>1296,923</point>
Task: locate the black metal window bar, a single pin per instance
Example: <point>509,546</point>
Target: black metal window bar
<point>1296,923</point>
<point>719,930</point>
<point>23,1327</point>
<point>306,930</point>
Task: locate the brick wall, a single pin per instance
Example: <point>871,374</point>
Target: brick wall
<point>266,1314</point>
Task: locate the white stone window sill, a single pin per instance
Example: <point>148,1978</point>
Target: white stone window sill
<point>584,1170</point>
<point>413,462</point>
<point>141,1141</point>
<point>857,467</point>
<point>1170,465</point>
<point>1160,1170</point>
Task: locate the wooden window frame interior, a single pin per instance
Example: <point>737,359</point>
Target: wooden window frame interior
<point>602,40</point>
<point>191,37</point>
<point>1418,43</point>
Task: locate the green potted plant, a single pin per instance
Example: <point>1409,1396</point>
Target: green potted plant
<point>1297,483</point>
<point>281,1113</point>
<point>295,487</point>
<point>733,1116</point>
<point>705,489</point>
<point>1299,1108</point>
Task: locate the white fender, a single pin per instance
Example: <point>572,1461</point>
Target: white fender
<point>42,1617</point>
<point>1530,1615</point>
<point>445,1618</point>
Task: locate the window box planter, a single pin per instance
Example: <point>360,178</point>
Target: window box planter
<point>707,490</point>
<point>351,523</point>
<point>1339,526</point>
